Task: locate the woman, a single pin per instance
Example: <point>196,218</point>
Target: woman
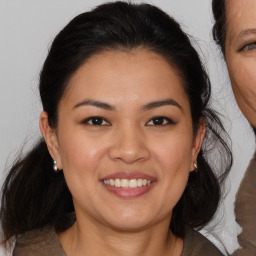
<point>121,168</point>
<point>235,32</point>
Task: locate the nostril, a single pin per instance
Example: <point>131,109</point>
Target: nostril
<point>129,153</point>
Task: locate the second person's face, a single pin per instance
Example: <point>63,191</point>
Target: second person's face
<point>241,54</point>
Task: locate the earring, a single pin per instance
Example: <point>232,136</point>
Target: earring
<point>55,168</point>
<point>196,169</point>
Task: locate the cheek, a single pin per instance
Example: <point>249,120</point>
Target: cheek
<point>82,161</point>
<point>243,76</point>
<point>81,156</point>
<point>249,78</point>
<point>175,163</point>
<point>175,151</point>
<point>174,158</point>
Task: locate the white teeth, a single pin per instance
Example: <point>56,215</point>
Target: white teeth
<point>139,183</point>
<point>117,183</point>
<point>125,183</point>
<point>133,183</point>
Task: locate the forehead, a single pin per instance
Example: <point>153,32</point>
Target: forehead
<point>116,73</point>
<point>241,15</point>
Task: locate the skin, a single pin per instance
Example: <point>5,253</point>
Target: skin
<point>240,54</point>
<point>241,62</point>
<point>126,141</point>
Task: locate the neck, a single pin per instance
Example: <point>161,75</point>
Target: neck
<point>85,238</point>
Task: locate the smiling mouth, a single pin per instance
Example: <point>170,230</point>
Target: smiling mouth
<point>127,183</point>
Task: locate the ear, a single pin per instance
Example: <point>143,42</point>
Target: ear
<point>50,138</point>
<point>198,141</point>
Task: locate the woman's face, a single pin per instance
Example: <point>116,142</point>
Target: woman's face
<point>241,54</point>
<point>125,140</point>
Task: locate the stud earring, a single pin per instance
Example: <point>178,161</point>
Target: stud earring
<point>55,168</point>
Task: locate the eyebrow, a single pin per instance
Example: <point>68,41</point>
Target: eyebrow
<point>247,32</point>
<point>157,104</point>
<point>149,106</point>
<point>95,103</point>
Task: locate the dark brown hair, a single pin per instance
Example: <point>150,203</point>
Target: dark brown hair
<point>219,27</point>
<point>34,195</point>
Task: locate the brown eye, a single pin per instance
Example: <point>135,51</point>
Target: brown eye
<point>96,120</point>
<point>160,121</point>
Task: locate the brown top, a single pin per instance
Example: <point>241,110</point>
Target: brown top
<point>45,242</point>
<point>245,210</point>
<point>39,242</point>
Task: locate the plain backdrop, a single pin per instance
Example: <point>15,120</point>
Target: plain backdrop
<point>27,29</point>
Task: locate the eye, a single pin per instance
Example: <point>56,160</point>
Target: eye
<point>160,121</point>
<point>249,47</point>
<point>96,120</point>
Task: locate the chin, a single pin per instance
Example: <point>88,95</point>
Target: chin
<point>127,221</point>
<point>132,226</point>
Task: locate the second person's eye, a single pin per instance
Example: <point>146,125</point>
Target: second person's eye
<point>249,47</point>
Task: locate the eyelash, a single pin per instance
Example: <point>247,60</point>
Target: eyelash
<point>163,121</point>
<point>156,121</point>
<point>94,119</point>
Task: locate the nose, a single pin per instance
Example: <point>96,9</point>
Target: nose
<point>129,145</point>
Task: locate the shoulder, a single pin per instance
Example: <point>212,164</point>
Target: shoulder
<point>38,242</point>
<point>247,192</point>
<point>196,244</point>
<point>252,166</point>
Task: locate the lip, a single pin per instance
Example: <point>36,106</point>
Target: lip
<point>127,193</point>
